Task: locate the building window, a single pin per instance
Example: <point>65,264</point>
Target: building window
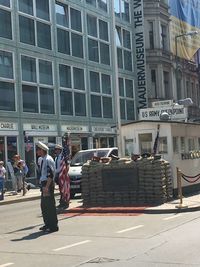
<point>35,29</point>
<point>45,72</point>
<point>66,103</point>
<point>164,37</point>
<point>26,6</point>
<point>94,81</point>
<point>65,76</point>
<point>28,69</point>
<point>106,84</point>
<point>5,3</point>
<point>107,107</point>
<point>63,41</point>
<point>162,148</point>
<point>188,88</point>
<point>153,87</point>
<point>46,101</point>
<point>78,77</point>
<point>100,4</point>
<point>43,35</point>
<point>130,109</point>
<point>151,35</point>
<point>42,9</point>
<point>72,82</point>
<point>182,139</point>
<point>93,50</point>
<point>124,53</point>
<point>166,85</point>
<point>6,65</point>
<point>175,144</point>
<point>37,98</point>
<point>7,100</point>
<point>96,106</point>
<point>100,84</point>
<point>126,93</point>
<point>80,104</point>
<point>191,144</point>
<point>27,30</point>
<point>98,45</point>
<point>62,15</point>
<point>77,45</point>
<point>145,142</point>
<point>122,9</point>
<point>76,23</point>
<point>5,24</point>
<point>69,30</point>
<point>30,98</point>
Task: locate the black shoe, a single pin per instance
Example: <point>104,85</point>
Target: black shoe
<point>28,187</point>
<point>65,206</point>
<point>43,228</point>
<point>51,230</point>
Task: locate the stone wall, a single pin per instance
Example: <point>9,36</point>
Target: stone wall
<point>124,182</point>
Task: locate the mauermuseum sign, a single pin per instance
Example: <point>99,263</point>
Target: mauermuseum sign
<point>140,57</point>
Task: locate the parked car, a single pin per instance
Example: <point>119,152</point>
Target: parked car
<point>81,157</point>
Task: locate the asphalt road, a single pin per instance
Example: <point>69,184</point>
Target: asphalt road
<point>144,240</point>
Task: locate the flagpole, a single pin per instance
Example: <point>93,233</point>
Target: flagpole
<point>116,93</point>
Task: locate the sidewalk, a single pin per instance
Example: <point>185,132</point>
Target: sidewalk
<point>190,203</point>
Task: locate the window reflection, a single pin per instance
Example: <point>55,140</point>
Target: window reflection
<point>62,15</point>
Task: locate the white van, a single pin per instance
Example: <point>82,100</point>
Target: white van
<point>81,157</point>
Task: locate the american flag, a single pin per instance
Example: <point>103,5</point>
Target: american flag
<point>155,146</point>
<point>64,181</point>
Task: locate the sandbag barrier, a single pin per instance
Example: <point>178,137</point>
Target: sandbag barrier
<point>153,185</point>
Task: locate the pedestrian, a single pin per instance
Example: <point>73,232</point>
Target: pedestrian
<point>47,172</point>
<point>20,170</point>
<point>2,179</point>
<point>12,175</point>
<point>18,173</point>
<point>64,201</point>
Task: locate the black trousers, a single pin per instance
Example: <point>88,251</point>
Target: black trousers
<point>48,208</point>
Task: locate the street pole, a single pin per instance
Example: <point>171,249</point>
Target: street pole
<point>116,93</point>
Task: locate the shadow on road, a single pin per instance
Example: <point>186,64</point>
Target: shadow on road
<point>30,236</point>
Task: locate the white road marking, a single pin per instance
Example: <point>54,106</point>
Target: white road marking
<point>172,217</point>
<point>72,245</point>
<point>7,264</point>
<point>130,229</point>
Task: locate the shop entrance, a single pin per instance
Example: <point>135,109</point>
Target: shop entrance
<point>78,143</point>
<point>8,148</point>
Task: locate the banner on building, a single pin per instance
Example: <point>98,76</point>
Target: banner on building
<point>140,57</point>
<point>185,17</point>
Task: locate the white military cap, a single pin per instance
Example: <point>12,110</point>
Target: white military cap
<point>42,146</point>
<point>58,146</point>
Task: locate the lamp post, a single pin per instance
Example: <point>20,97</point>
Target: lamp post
<point>189,33</point>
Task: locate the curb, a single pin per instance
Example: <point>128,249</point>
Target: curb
<point>123,210</point>
<point>13,201</point>
<point>113,210</point>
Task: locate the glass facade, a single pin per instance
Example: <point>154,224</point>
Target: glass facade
<point>57,70</point>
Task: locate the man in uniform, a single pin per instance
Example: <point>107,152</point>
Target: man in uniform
<point>47,172</point>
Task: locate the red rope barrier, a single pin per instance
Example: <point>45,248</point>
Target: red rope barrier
<point>186,178</point>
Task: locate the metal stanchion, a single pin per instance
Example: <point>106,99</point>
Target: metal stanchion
<point>179,187</point>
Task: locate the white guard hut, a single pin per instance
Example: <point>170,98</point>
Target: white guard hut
<point>176,140</point>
